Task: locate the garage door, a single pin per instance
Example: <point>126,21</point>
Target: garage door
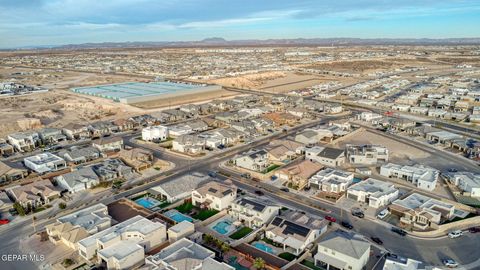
<point>352,196</point>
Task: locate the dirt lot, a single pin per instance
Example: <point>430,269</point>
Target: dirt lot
<point>399,152</point>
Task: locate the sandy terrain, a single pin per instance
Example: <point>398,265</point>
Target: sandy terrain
<point>250,81</point>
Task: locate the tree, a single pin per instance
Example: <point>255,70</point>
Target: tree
<point>19,208</point>
<point>224,248</point>
<point>62,205</point>
<point>259,263</point>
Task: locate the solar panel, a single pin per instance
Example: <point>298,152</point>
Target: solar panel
<point>292,228</point>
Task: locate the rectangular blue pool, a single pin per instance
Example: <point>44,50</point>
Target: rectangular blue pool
<point>264,247</point>
<point>147,202</point>
<point>177,216</point>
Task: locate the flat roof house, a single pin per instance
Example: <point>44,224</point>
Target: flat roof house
<point>331,180</point>
<point>421,211</point>
<point>181,187</point>
<point>123,245</point>
<point>342,250</point>
<point>366,154</point>
<point>295,231</point>
<point>44,163</point>
<point>74,227</point>
<point>422,176</point>
<point>214,195</point>
<point>180,230</point>
<point>24,141</point>
<point>154,133</point>
<point>468,182</point>
<point>253,212</point>
<point>374,192</point>
<point>185,255</point>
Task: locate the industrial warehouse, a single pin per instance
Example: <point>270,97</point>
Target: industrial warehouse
<point>134,92</point>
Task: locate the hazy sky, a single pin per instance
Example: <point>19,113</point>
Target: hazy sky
<point>54,22</point>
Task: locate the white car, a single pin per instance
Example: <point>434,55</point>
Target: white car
<point>383,214</point>
<point>455,234</point>
<point>450,263</point>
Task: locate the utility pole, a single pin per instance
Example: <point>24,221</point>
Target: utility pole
<point>33,223</point>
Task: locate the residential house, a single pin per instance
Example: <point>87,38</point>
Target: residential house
<point>100,129</point>
<point>111,169</point>
<point>51,135</point>
<point>76,131</point>
<point>214,195</point>
<point>78,180</point>
<point>44,163</point>
<point>253,212</point>
<point>137,158</point>
<point>467,182</point>
<point>180,230</point>
<point>421,176</point>
<point>24,141</point>
<point>297,175</point>
<point>124,124</point>
<point>109,144</point>
<point>78,155</point>
<point>331,180</point>
<point>295,231</point>
<point>366,154</point>
<point>9,173</point>
<point>374,192</point>
<point>422,212</point>
<point>185,255</point>
<point>34,194</point>
<point>181,187</point>
<point>342,250</point>
<point>254,160</point>
<point>72,228</point>
<point>6,149</point>
<point>123,246</point>
<point>191,144</point>
<point>155,133</point>
<point>327,156</point>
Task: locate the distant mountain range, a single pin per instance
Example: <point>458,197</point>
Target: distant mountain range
<point>221,42</point>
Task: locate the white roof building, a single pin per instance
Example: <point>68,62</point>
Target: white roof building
<point>374,192</point>
<point>468,182</point>
<point>332,180</point>
<point>422,176</point>
<point>181,187</point>
<point>45,162</point>
<point>124,245</point>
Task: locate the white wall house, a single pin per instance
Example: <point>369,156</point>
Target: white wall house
<point>423,177</point>
<point>468,182</point>
<point>214,195</point>
<point>160,133</point>
<point>332,180</point>
<point>366,154</point>
<point>81,179</point>
<point>253,212</point>
<point>374,192</point>
<point>123,246</point>
<point>255,160</point>
<point>45,162</point>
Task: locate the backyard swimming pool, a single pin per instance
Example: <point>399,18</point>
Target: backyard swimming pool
<point>147,202</point>
<point>223,227</point>
<point>264,247</point>
<point>177,216</point>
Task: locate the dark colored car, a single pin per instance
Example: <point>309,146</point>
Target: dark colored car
<point>347,225</point>
<point>474,230</point>
<point>377,240</point>
<point>399,231</point>
<point>259,192</point>
<point>284,189</point>
<point>331,219</point>
<point>358,213</point>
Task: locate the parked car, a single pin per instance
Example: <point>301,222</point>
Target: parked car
<point>383,214</point>
<point>450,263</point>
<point>453,170</point>
<point>399,231</point>
<point>4,221</point>
<point>259,192</point>
<point>358,213</point>
<point>377,240</point>
<point>347,225</point>
<point>474,230</point>
<point>212,174</point>
<point>330,218</point>
<point>455,234</point>
<point>246,175</point>
<point>284,189</point>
